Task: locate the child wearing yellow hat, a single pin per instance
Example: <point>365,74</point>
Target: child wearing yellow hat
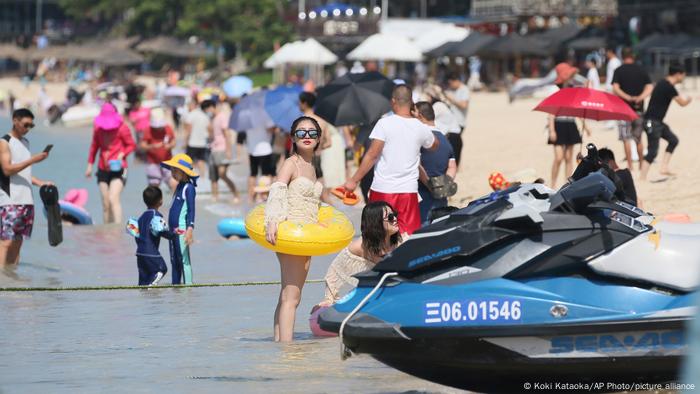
<point>181,216</point>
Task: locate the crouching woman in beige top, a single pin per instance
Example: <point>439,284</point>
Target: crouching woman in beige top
<point>380,236</point>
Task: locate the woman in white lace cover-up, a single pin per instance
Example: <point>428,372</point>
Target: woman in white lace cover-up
<point>294,197</point>
<point>380,235</point>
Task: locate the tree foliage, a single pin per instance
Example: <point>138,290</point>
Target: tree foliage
<point>250,26</point>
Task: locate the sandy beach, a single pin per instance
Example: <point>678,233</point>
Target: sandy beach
<point>510,138</point>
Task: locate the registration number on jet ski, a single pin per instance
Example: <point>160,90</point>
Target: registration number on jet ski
<point>473,311</point>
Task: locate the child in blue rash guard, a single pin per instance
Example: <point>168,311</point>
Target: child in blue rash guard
<point>181,216</point>
<point>151,226</point>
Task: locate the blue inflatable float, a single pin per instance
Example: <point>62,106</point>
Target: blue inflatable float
<point>74,214</point>
<point>233,226</point>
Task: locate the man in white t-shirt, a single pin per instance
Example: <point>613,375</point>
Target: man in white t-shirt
<point>259,146</point>
<point>613,63</point>
<point>395,148</point>
<point>457,96</point>
<point>198,132</point>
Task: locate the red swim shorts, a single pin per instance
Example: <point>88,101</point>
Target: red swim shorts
<point>406,207</point>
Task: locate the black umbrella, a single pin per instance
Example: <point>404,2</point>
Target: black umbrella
<point>355,99</point>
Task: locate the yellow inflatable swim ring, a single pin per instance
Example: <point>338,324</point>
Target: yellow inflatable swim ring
<point>332,233</point>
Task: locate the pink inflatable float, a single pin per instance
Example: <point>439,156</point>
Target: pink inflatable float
<point>315,328</point>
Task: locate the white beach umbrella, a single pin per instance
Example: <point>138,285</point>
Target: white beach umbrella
<point>436,37</point>
<point>313,52</point>
<point>386,47</point>
<point>283,55</point>
<point>301,52</point>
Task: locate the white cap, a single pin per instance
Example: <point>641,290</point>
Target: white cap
<point>157,118</point>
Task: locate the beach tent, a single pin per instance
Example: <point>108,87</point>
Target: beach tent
<point>660,41</point>
<point>170,46</point>
<point>587,43</point>
<point>382,46</point>
<point>9,51</point>
<point>557,36</point>
<point>516,45</point>
<point>465,48</point>
<point>437,37</point>
<point>91,52</point>
<point>111,56</point>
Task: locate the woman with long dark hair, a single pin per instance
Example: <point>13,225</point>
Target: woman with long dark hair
<point>294,197</point>
<point>380,236</point>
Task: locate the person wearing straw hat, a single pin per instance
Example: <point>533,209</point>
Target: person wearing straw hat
<point>181,216</point>
<point>112,139</point>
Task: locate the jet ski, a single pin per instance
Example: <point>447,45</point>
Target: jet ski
<point>531,286</point>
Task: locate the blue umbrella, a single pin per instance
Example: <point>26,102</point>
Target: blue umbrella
<point>282,104</point>
<point>237,86</point>
<point>250,113</point>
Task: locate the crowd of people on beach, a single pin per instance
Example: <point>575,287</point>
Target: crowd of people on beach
<point>406,167</point>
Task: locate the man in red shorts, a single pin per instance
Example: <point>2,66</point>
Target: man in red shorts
<point>395,149</point>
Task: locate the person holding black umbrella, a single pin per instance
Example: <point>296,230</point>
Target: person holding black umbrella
<point>395,148</point>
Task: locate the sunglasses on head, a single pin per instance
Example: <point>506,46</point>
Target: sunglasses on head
<point>311,133</point>
<point>391,218</point>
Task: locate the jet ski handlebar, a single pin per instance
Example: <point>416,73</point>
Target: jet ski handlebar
<point>590,163</point>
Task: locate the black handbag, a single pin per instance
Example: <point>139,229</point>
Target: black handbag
<point>442,186</point>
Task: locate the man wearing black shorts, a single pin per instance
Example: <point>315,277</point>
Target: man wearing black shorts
<point>655,128</point>
<point>631,83</point>
<point>259,145</point>
<point>198,131</point>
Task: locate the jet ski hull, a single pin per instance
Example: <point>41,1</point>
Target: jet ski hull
<point>481,366</point>
<point>494,360</point>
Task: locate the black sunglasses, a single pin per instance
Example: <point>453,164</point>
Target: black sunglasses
<point>311,133</point>
<point>392,217</point>
<point>28,125</point>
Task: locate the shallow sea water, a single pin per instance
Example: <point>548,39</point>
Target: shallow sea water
<point>160,340</point>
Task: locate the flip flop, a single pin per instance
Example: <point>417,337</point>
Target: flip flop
<point>339,192</point>
<point>350,198</point>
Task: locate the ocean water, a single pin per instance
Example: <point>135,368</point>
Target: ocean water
<point>214,339</point>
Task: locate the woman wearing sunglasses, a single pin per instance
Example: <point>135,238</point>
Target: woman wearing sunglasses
<point>294,197</point>
<point>380,236</point>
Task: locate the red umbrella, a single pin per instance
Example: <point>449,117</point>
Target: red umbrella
<point>587,103</point>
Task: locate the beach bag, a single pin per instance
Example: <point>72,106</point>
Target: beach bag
<point>442,186</point>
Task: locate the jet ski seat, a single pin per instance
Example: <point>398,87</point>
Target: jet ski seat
<point>664,258</point>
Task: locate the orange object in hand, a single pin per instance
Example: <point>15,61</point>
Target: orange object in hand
<point>348,197</point>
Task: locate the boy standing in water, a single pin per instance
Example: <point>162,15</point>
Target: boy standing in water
<point>181,216</point>
<point>151,227</point>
